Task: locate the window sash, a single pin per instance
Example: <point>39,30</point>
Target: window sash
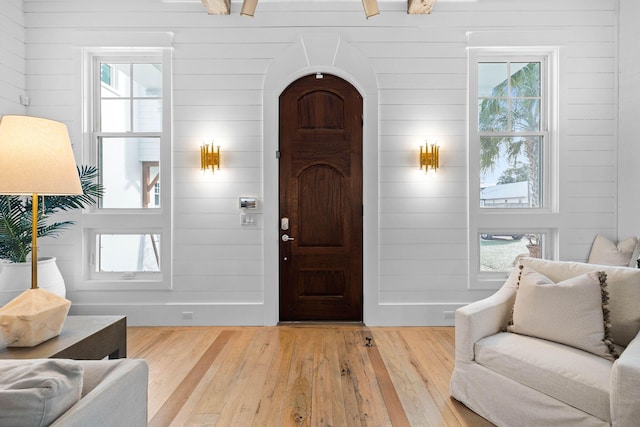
<point>508,221</point>
<point>130,98</point>
<point>476,134</point>
<point>154,220</point>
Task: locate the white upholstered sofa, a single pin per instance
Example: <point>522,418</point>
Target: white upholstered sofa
<point>513,379</point>
<point>70,393</point>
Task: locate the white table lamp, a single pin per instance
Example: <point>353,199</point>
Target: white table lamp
<point>36,158</point>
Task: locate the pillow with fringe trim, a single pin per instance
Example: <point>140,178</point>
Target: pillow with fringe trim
<point>573,312</point>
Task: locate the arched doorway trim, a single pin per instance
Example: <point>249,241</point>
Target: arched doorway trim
<point>314,53</point>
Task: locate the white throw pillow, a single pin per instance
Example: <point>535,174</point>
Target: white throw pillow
<point>623,284</point>
<point>606,252</point>
<point>36,392</point>
<point>569,312</point>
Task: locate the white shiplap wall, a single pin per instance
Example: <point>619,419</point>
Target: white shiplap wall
<point>12,57</point>
<point>629,123</point>
<point>419,267</point>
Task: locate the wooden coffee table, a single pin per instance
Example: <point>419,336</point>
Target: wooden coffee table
<point>82,337</point>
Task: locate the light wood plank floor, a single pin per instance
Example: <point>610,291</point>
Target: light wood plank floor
<point>300,375</point>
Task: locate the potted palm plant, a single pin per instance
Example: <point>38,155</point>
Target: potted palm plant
<point>16,232</point>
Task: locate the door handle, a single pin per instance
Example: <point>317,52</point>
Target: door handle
<point>286,238</point>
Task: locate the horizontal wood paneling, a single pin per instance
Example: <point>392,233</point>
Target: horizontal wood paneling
<point>629,129</point>
<point>12,57</point>
<point>219,67</point>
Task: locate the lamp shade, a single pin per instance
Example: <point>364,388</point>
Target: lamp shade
<point>36,157</point>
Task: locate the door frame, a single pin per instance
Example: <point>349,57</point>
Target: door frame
<point>343,144</point>
<point>326,53</point>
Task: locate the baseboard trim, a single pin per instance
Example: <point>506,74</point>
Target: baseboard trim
<point>203,314</point>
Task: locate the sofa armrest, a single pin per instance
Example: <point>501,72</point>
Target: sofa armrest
<point>625,387</point>
<point>481,319</point>
<point>114,394</point>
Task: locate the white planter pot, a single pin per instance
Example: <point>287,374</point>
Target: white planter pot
<point>15,278</point>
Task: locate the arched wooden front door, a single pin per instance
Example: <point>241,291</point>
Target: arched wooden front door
<point>320,200</point>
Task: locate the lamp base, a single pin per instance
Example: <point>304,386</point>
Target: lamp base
<point>33,317</point>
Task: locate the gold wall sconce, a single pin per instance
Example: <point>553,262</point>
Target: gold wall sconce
<point>430,157</point>
<point>209,157</point>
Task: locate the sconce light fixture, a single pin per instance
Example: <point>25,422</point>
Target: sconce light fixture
<point>430,157</point>
<point>209,157</point>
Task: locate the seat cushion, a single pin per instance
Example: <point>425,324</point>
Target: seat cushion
<point>572,376</point>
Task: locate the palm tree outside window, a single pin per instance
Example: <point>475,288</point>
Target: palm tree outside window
<point>511,128</point>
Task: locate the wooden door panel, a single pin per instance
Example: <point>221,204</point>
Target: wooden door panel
<point>329,117</point>
<point>321,194</point>
<point>321,217</point>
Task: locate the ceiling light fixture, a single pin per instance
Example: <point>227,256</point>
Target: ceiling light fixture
<point>217,7</point>
<point>370,8</point>
<point>417,7</point>
<point>248,7</point>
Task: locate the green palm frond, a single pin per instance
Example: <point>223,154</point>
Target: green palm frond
<point>15,215</point>
<point>521,115</point>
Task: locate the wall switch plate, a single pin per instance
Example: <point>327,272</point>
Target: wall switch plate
<point>248,219</point>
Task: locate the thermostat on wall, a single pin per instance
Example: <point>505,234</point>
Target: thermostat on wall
<point>248,203</point>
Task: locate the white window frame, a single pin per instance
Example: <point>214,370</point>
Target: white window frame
<point>128,221</point>
<point>540,220</point>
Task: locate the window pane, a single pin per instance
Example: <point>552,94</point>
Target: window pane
<point>525,79</point>
<point>120,92</point>
<point>491,78</point>
<point>147,80</point>
<point>119,83</point>
<point>129,170</point>
<point>499,250</point>
<point>510,172</point>
<point>115,115</point>
<point>128,253</point>
<point>525,115</point>
<point>493,115</point>
<point>509,104</point>
<point>147,115</point>
<point>106,74</point>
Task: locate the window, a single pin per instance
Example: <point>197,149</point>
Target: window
<point>128,234</point>
<point>510,159</point>
<point>141,253</point>
<point>511,125</point>
<point>499,250</point>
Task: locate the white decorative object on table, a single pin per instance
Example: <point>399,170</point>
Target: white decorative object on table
<point>15,277</point>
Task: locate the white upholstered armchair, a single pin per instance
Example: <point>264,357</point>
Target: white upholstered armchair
<point>518,379</point>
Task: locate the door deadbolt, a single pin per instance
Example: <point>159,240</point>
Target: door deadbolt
<point>284,224</point>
